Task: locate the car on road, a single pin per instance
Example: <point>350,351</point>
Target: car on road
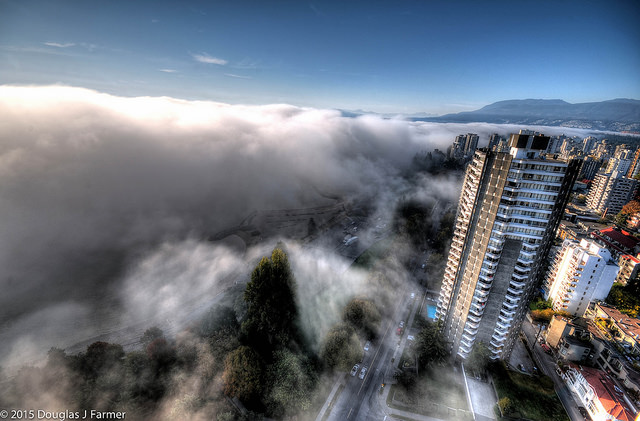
<point>413,295</point>
<point>401,324</point>
<point>546,348</point>
<point>354,370</point>
<point>367,346</point>
<point>399,331</point>
<point>584,413</point>
<point>363,372</point>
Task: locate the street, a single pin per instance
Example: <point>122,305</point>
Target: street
<point>546,363</point>
<point>361,399</point>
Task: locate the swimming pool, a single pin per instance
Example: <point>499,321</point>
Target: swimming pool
<point>431,312</point>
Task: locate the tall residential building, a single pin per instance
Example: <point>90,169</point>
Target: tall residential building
<point>629,268</point>
<point>634,168</point>
<point>588,144</point>
<point>590,167</point>
<point>619,165</point>
<point>510,206</point>
<point>471,144</point>
<point>610,192</point>
<point>494,139</point>
<point>581,272</point>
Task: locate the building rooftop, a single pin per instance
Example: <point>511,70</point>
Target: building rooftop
<point>611,397</point>
<point>631,258</point>
<point>619,240</point>
<point>621,236</point>
<point>629,325</point>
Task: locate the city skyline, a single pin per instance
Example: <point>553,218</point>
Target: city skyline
<point>403,57</point>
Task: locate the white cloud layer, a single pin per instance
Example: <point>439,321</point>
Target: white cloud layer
<point>206,58</point>
<point>100,193</point>
<point>60,45</point>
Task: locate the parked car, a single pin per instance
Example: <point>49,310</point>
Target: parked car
<point>363,372</point>
<point>411,338</point>
<point>367,346</point>
<point>401,323</point>
<point>354,370</point>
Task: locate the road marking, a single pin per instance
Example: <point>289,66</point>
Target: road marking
<point>349,414</point>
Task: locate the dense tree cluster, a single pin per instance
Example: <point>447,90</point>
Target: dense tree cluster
<point>430,345</point>
<point>363,316</point>
<point>625,298</point>
<point>272,315</point>
<point>341,348</point>
<point>627,211</point>
<point>250,349</point>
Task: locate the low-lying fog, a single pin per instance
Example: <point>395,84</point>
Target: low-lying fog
<point>108,204</point>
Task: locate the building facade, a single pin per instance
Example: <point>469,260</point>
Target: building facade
<point>629,269</point>
<point>610,192</point>
<point>510,206</point>
<point>581,272</point>
<point>595,391</point>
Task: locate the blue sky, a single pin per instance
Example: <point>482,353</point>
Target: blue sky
<point>385,56</point>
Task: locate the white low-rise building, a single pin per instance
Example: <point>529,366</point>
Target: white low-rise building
<point>594,390</point>
<point>581,272</point>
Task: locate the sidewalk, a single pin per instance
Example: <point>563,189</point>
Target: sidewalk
<point>399,412</point>
<point>331,398</point>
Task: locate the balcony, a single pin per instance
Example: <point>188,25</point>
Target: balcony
<point>468,338</point>
<point>497,347</point>
<point>483,283</point>
<point>516,284</point>
<point>467,344</point>
<point>481,294</point>
<point>509,305</point>
<point>471,328</point>
<point>519,276</point>
<point>473,318</point>
<point>492,255</point>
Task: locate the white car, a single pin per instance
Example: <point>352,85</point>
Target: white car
<point>411,338</point>
<point>354,370</point>
<point>367,346</point>
<point>413,294</point>
<point>363,372</point>
<point>401,325</point>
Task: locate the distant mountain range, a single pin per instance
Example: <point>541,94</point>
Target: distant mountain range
<point>620,115</point>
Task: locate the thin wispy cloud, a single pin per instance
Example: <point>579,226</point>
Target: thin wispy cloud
<point>60,45</point>
<point>206,58</point>
<point>238,76</point>
<point>168,70</point>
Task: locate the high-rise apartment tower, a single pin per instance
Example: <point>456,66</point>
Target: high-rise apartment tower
<point>510,206</point>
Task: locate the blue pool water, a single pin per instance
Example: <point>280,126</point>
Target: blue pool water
<point>431,312</point>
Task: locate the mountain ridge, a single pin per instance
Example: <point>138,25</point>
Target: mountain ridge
<point>619,114</point>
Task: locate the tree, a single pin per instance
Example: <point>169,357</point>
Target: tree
<point>272,315</point>
<point>218,317</point>
<point>341,348</point>
<point>151,335</point>
<point>363,316</point>
<point>291,380</point>
<point>430,345</point>
<point>221,343</point>
<point>631,208</point>
<point>624,299</point>
<point>101,357</point>
<point>506,407</point>
<point>242,376</point>
<point>479,358</point>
